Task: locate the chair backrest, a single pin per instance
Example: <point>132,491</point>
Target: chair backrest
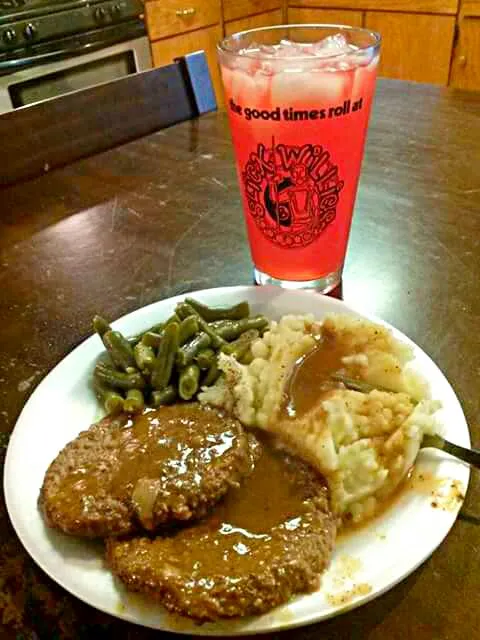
<point>58,131</point>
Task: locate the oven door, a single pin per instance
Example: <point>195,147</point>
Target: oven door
<point>75,66</point>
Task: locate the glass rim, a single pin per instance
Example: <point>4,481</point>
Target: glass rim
<point>224,45</point>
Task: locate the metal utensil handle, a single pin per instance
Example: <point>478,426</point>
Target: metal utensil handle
<point>471,456</point>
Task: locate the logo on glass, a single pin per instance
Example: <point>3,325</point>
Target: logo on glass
<point>292,192</point>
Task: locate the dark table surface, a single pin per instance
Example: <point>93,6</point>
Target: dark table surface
<point>161,216</point>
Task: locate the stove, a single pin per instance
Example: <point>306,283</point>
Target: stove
<point>37,31</point>
<point>52,47</point>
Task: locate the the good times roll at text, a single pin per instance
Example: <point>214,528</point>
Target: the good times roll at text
<point>289,114</point>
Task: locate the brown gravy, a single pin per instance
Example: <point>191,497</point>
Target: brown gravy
<point>310,378</point>
<point>172,445</point>
<point>269,497</point>
<point>259,516</point>
<point>264,542</point>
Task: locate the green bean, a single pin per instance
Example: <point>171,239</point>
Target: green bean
<point>119,349</point>
<point>205,358</point>
<point>172,318</point>
<point>134,402</point>
<point>184,310</point>
<point>229,329</point>
<point>354,383</point>
<point>163,366</point>
<point>144,356</point>
<point>239,347</point>
<point>151,339</point>
<point>237,312</point>
<point>246,358</point>
<point>160,326</point>
<point>218,324</point>
<point>117,379</point>
<point>188,328</point>
<point>362,385</point>
<point>165,396</point>
<point>112,400</point>
<point>211,376</point>
<point>232,329</point>
<point>188,382</point>
<point>100,325</point>
<point>246,336</point>
<point>113,403</point>
<point>188,351</point>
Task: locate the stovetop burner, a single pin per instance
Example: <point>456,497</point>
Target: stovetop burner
<point>11,8</point>
<point>25,23</point>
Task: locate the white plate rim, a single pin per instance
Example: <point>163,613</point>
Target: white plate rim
<point>239,292</point>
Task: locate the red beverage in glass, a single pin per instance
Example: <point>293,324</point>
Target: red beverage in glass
<point>299,99</point>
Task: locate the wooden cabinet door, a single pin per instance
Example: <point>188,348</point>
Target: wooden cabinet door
<point>419,6</point>
<point>164,51</point>
<point>254,22</point>
<point>235,9</point>
<point>170,17</point>
<point>414,46</point>
<point>466,61</point>
<point>298,15</point>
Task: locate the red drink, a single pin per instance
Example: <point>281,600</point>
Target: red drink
<point>298,116</point>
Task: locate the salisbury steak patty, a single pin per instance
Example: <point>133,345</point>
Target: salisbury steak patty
<point>166,465</point>
<point>263,543</point>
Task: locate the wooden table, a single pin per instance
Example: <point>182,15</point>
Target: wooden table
<point>162,215</point>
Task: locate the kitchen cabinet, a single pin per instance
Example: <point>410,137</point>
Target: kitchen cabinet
<point>328,16</point>
<point>466,59</point>
<point>417,6</point>
<point>164,51</point>
<point>435,41</point>
<point>254,22</point>
<point>414,46</point>
<point>178,27</point>
<point>235,9</point>
<point>170,17</point>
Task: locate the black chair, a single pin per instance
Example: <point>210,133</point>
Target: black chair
<point>55,132</point>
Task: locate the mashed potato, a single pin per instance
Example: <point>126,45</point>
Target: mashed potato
<point>363,443</point>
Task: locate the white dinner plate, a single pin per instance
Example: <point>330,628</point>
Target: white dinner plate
<point>366,562</point>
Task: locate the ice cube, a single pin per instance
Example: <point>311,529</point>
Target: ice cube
<point>335,86</point>
<point>268,50</point>
<point>247,64</point>
<point>344,64</point>
<point>267,68</point>
<point>311,89</point>
<point>289,49</point>
<point>252,47</point>
<point>242,83</point>
<point>330,46</point>
<point>249,90</point>
<point>263,87</point>
<point>364,83</point>
<point>361,58</point>
<point>227,77</point>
